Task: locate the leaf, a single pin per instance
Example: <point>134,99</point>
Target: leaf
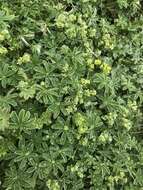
<point>22,120</point>
<point>4,119</point>
<point>4,17</point>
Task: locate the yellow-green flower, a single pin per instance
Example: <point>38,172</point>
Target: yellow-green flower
<point>90,92</point>
<point>72,18</point>
<point>108,41</point>
<point>66,128</point>
<point>79,19</point>
<point>90,63</point>
<point>106,68</point>
<point>126,123</point>
<point>97,62</point>
<point>84,141</point>
<point>2,37</point>
<point>71,32</point>
<point>61,20</point>
<point>80,120</point>
<point>82,129</point>
<point>85,81</point>
<point>65,67</point>
<point>92,32</point>
<point>105,137</point>
<point>83,32</point>
<point>26,58</point>
<point>53,184</point>
<point>132,105</point>
<point>3,51</point>
<point>69,109</point>
<point>93,92</point>
<point>87,92</point>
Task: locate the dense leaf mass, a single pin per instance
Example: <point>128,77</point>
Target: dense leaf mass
<point>71,95</point>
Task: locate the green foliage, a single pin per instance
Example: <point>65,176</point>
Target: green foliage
<point>71,95</point>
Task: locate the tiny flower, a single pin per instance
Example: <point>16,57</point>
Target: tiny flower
<point>84,141</point>
<point>66,128</point>
<point>90,63</point>
<point>90,92</point>
<point>93,92</point>
<point>82,129</point>
<point>24,59</point>
<point>42,83</point>
<point>2,37</point>
<point>111,179</point>
<point>105,137</point>
<point>106,68</point>
<point>92,33</point>
<point>80,174</point>
<point>80,19</point>
<point>87,92</point>
<point>71,32</point>
<point>61,20</point>
<point>72,18</point>
<point>3,51</point>
<point>122,174</point>
<point>102,138</point>
<point>127,123</point>
<point>85,81</point>
<point>65,67</point>
<point>97,62</point>
<point>69,109</point>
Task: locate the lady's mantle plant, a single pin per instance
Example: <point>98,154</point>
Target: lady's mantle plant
<point>71,95</point>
